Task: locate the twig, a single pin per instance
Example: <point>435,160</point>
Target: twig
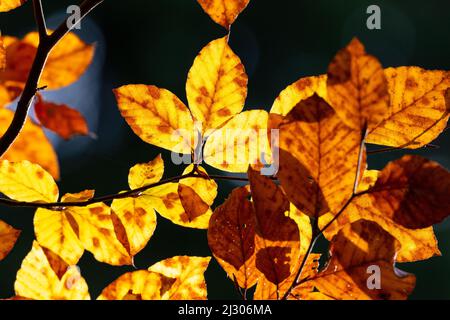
<point>128,194</point>
<point>46,44</point>
<point>317,233</point>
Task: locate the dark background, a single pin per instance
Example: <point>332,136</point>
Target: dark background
<point>155,42</point>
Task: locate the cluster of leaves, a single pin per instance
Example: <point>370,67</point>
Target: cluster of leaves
<point>264,233</point>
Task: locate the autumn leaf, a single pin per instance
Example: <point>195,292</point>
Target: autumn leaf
<point>277,236</point>
<point>412,191</point>
<point>186,203</point>
<point>8,238</point>
<point>417,244</point>
<point>157,116</point>
<point>60,118</point>
<point>66,63</point>
<point>418,111</point>
<point>37,280</point>
<point>239,143</point>
<point>353,250</point>
<point>357,87</point>
<point>188,274</point>
<point>134,222</point>
<point>318,171</point>
<point>146,173</point>
<point>7,5</point>
<point>40,151</point>
<point>216,87</point>
<point>137,285</point>
<point>25,181</point>
<point>231,237</point>
<point>224,12</point>
<point>300,90</point>
<point>69,231</point>
<point>2,55</point>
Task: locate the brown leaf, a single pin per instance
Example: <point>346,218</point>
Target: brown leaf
<point>353,250</point>
<point>318,170</point>
<point>231,237</point>
<point>277,235</point>
<point>413,191</point>
<point>223,12</point>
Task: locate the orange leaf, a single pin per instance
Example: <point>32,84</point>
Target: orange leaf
<point>7,5</point>
<point>8,237</point>
<point>231,237</point>
<point>414,192</point>
<point>277,235</point>
<point>355,249</point>
<point>318,170</point>
<point>357,87</point>
<point>31,144</point>
<point>223,12</point>
<point>60,118</point>
<point>418,112</point>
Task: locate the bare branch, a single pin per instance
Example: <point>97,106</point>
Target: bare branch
<point>40,20</point>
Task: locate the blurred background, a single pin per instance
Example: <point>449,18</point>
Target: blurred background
<point>155,42</point>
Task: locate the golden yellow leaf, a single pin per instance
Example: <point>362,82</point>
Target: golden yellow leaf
<point>174,204</point>
<point>25,181</point>
<point>7,5</point>
<point>188,273</point>
<point>68,60</point>
<point>353,250</point>
<point>146,173</point>
<point>224,12</point>
<point>31,145</point>
<point>137,285</point>
<point>55,230</point>
<point>8,237</point>
<point>97,234</point>
<point>157,116</point>
<point>231,237</point>
<point>239,143</point>
<point>137,220</point>
<point>418,112</point>
<point>298,91</point>
<point>217,85</point>
<point>318,170</point>
<point>37,280</point>
<point>357,87</point>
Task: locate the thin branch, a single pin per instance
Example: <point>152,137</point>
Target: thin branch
<point>131,193</point>
<point>31,86</point>
<point>317,233</point>
<point>40,20</point>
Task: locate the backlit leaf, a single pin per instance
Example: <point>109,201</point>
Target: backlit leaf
<point>413,191</point>
<point>357,87</point>
<point>137,285</point>
<point>318,170</point>
<point>157,116</point>
<point>353,250</point>
<point>300,90</point>
<point>223,12</point>
<point>65,121</point>
<point>217,85</point>
<point>277,235</point>
<point>31,145</point>
<point>7,5</point>
<point>188,273</point>
<point>146,173</point>
<point>25,181</point>
<point>231,237</point>
<point>418,112</point>
<point>8,237</point>
<point>37,280</point>
<point>239,143</point>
